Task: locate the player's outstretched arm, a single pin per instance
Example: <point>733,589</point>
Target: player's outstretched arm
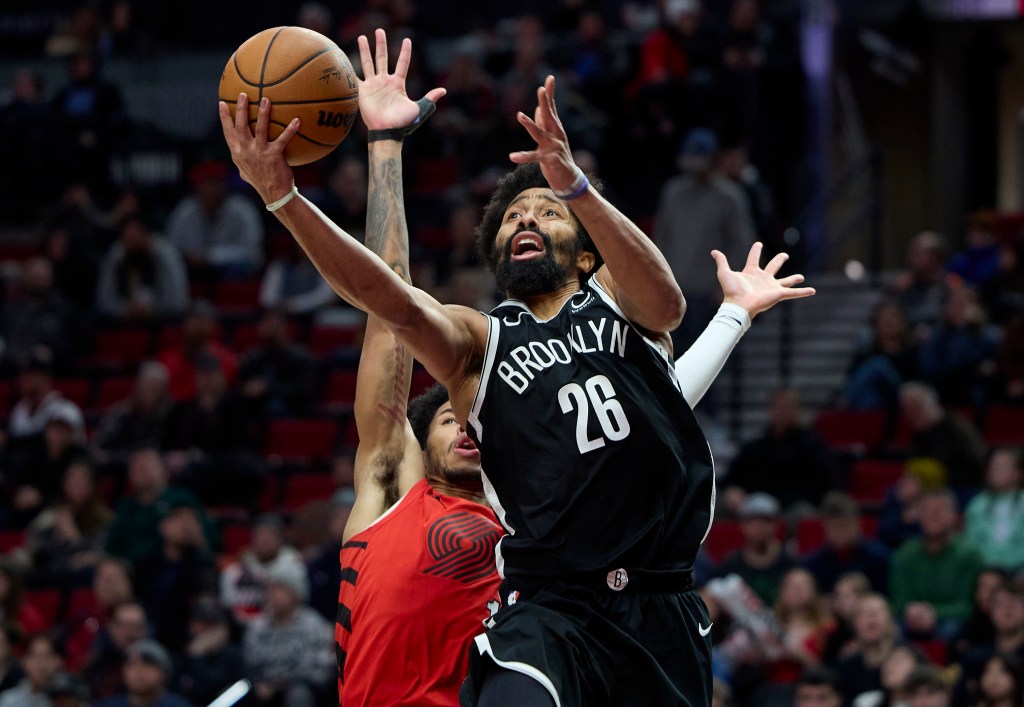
<point>388,459</point>
<point>446,339</point>
<point>635,273</point>
<point>746,294</point>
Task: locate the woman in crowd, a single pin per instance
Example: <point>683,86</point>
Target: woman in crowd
<point>994,519</point>
<point>1002,682</point>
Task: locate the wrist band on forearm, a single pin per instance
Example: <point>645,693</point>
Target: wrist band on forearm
<point>275,205</point>
<point>427,108</point>
<point>579,185</point>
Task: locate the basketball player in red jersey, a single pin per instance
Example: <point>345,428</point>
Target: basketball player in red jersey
<point>418,555</point>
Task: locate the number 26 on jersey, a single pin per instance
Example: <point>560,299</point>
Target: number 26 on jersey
<point>598,394</point>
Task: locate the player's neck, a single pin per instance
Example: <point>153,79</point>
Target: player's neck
<point>474,495</point>
<point>548,304</point>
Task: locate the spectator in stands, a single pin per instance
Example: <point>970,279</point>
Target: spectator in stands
<point>211,441</point>
<point>292,283</point>
<point>978,262</point>
<point>37,399</point>
<point>277,377</point>
<point>789,461</point>
<point>34,472</point>
<point>37,315</point>
<point>243,583</point>
<point>699,210</point>
<point>958,359</point>
<point>978,629</point>
<point>900,518</point>
<point>66,690</point>
<point>288,650</point>
<point>41,662</point>
<point>876,637</point>
<point>1010,360</point>
<point>86,622</point>
<point>75,262</point>
<point>345,199</point>
<point>142,275</point>
<point>10,671</point>
<point>845,549</point>
<point>105,669</point>
<point>849,590</point>
<point>198,338</point>
<point>323,569</point>
<point>1002,682</point>
<point>135,532</point>
<point>818,687</point>
<point>805,621</point>
<point>14,610</point>
<point>994,519</point>
<point>736,166</point>
<point>461,251</point>
<point>147,670</point>
<point>893,675</point>
<point>66,540</point>
<point>932,577</point>
<point>211,662</point>
<point>883,363</point>
<point>1003,294</point>
<point>761,561</point>
<point>464,128</point>
<point>216,230</point>
<point>926,687</point>
<point>921,289</point>
<point>1007,614</point>
<point>139,419</point>
<point>170,581</point>
<point>946,437</point>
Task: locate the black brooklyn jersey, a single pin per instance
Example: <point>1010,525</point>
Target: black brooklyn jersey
<point>592,458</point>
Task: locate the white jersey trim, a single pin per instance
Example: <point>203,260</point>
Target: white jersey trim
<point>499,510</point>
<point>522,305</point>
<point>493,331</point>
<point>484,646</point>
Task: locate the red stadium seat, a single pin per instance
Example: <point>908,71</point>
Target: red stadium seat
<point>871,479</point>
<point>810,533</point>
<point>11,540</point>
<point>934,650</point>
<point>81,603</point>
<point>725,536</point>
<point>121,347</point>
<point>435,176</point>
<point>301,440</point>
<point>341,389</point>
<point>300,489</point>
<point>6,396</point>
<point>848,429</point>
<point>324,339</point>
<point>77,390</point>
<point>46,602</point>
<point>421,380</point>
<point>238,295</point>
<point>114,390</point>
<point>1004,426</point>
<point>235,538</point>
<point>247,336</point>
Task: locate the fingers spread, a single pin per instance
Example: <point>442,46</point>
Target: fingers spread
<point>720,260</point>
<point>242,113</point>
<point>776,263</point>
<point>226,123</point>
<point>524,157</point>
<point>791,280</point>
<point>535,132</point>
<point>754,256</point>
<point>263,120</point>
<point>382,52</point>
<point>287,134</point>
<point>798,292</point>
<point>435,94</point>
<point>365,59</point>
<point>404,57</point>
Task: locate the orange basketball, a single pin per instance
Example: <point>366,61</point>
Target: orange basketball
<point>305,76</point>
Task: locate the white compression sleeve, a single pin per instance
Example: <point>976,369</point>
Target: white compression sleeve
<point>699,366</point>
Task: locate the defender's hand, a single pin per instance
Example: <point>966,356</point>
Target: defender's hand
<point>756,289</point>
<point>552,153</point>
<point>383,102</point>
<point>260,161</point>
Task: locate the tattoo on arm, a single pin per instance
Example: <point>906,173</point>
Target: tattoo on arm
<point>386,229</point>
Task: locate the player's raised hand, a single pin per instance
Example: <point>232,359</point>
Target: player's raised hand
<point>383,102</point>
<point>260,160</point>
<point>754,288</point>
<point>552,153</point>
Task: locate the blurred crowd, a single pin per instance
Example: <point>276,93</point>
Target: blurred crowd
<point>176,379</point>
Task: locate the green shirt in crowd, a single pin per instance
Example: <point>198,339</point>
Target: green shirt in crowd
<point>945,580</point>
<point>994,523</point>
<point>135,533</point>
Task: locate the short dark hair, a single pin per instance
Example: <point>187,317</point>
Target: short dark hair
<point>819,676</point>
<point>422,409</point>
<point>523,177</point>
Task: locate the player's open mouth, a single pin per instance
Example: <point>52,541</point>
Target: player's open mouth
<point>464,447</point>
<point>527,245</point>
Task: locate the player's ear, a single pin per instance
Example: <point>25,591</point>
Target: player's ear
<point>585,261</point>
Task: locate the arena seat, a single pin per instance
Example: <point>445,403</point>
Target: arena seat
<point>77,390</point>
<point>340,391</point>
<point>421,380</point>
<point>114,390</point>
<point>45,601</point>
<point>300,489</point>
<point>121,347</point>
<point>11,540</point>
<point>871,479</point>
<point>852,429</point>
<point>238,295</point>
<point>810,533</point>
<point>1004,425</point>
<point>81,603</point>
<point>301,440</point>
<point>325,339</point>
<point>234,538</point>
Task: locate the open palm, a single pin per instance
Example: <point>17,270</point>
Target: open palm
<point>383,101</point>
<point>754,288</point>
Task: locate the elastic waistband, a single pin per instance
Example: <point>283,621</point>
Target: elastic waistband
<point>633,580</point>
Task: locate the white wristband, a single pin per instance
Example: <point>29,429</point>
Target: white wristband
<point>275,205</point>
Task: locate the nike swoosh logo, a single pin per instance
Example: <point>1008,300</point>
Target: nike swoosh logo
<point>704,631</point>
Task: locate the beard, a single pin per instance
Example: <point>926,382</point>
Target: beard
<point>465,477</point>
<point>519,278</point>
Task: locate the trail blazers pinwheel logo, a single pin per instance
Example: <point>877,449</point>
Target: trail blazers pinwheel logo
<point>462,545</point>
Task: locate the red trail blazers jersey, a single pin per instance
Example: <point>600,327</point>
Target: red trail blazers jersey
<point>416,586</point>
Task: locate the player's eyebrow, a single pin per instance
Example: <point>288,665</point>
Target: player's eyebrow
<point>542,195</point>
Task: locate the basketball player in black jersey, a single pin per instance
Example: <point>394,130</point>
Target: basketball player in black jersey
<point>595,464</point>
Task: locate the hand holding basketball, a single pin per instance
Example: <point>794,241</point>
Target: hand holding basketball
<point>383,101</point>
<point>552,153</point>
<point>756,289</point>
<point>261,162</point>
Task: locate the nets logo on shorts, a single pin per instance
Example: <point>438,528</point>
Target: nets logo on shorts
<point>462,545</point>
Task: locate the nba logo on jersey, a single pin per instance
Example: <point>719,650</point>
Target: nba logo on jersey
<point>513,598</point>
